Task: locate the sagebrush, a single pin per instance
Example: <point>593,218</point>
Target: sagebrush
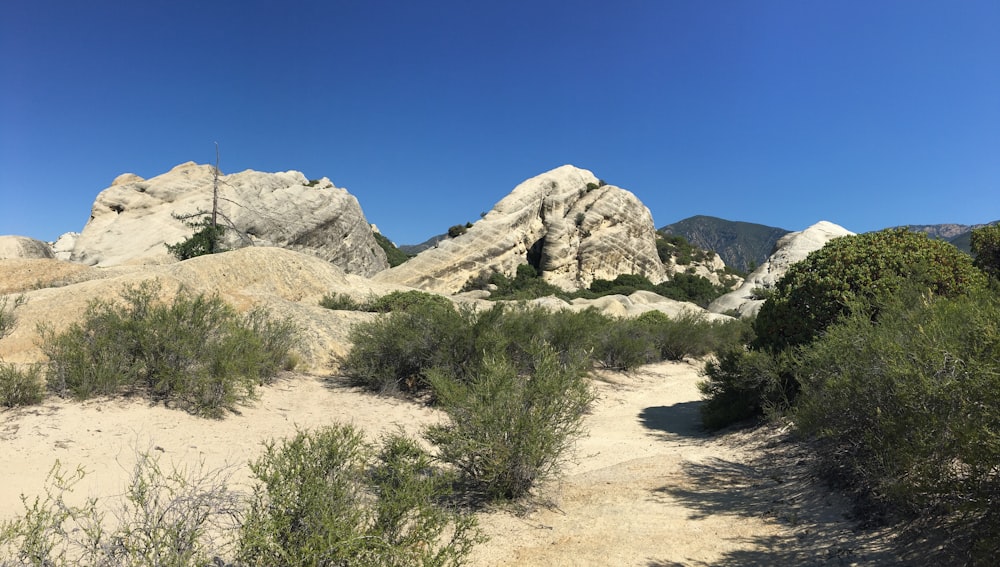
<point>193,351</point>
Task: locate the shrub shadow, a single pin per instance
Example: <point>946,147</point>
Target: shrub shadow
<point>781,490</point>
<point>682,419</point>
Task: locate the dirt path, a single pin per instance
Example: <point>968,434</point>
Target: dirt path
<point>647,487</point>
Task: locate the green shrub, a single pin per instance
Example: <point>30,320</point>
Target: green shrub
<point>527,283</point>
<point>391,353</point>
<point>744,384</point>
<point>21,386</point>
<point>394,255</point>
<point>341,302</point>
<point>8,319</point>
<point>406,300</point>
<point>691,288</point>
<point>986,249</point>
<point>851,272</point>
<point>178,518</point>
<point>508,429</point>
<point>457,230</point>
<point>194,351</point>
<point>206,239</point>
<point>909,407</point>
<point>328,498</point>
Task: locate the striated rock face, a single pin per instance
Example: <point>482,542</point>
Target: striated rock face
<point>791,248</point>
<point>561,222</point>
<point>23,247</point>
<point>132,220</point>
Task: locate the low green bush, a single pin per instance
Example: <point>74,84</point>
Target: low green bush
<point>393,301</point>
<point>194,351</point>
<point>329,498</point>
<point>21,385</point>
<point>406,300</point>
<point>341,302</point>
<point>510,429</point>
<point>742,384</point>
<point>391,353</point>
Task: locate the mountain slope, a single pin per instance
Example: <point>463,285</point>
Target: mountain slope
<point>741,245</point>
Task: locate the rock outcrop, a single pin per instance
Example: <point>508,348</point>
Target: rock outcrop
<point>564,222</point>
<point>23,247</point>
<point>791,248</point>
<point>133,220</point>
<point>62,248</point>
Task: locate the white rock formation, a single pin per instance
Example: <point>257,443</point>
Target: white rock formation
<point>63,246</point>
<point>561,222</point>
<point>791,248</point>
<point>23,247</point>
<point>132,220</point>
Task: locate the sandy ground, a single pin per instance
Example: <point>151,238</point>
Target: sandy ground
<point>646,487</point>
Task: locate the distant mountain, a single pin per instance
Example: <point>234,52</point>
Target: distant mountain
<point>414,249</point>
<point>958,234</point>
<point>741,245</point>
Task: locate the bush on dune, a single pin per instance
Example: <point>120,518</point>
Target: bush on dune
<point>194,351</point>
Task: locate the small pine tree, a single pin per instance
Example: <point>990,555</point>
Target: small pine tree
<point>205,240</point>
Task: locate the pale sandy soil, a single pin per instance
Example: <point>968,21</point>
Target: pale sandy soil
<point>646,487</point>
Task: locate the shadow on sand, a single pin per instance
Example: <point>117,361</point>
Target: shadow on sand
<point>781,490</point>
<point>682,419</point>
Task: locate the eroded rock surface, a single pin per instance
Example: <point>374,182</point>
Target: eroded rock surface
<point>563,222</point>
<point>132,220</point>
<point>23,247</point>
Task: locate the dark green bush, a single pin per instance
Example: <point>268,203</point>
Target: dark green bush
<point>909,407</point>
<point>457,230</point>
<point>743,384</point>
<point>509,429</point>
<point>394,255</point>
<point>328,498</point>
<point>527,283</point>
<point>21,385</point>
<point>985,243</point>
<point>406,300</point>
<point>194,351</point>
<point>851,272</point>
<point>341,302</point>
<point>207,239</point>
<point>392,353</point>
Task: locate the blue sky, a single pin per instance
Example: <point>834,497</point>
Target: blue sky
<point>864,113</point>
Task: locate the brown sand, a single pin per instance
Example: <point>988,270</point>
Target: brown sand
<point>646,487</point>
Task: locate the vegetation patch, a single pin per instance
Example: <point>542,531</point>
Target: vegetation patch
<point>194,351</point>
<point>394,255</point>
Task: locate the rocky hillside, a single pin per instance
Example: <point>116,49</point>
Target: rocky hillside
<point>958,234</point>
<point>742,245</point>
<point>791,248</point>
<point>132,220</point>
<point>565,223</point>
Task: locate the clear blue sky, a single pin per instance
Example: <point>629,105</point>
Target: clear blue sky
<point>865,113</point>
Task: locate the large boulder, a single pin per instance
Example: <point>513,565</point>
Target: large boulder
<point>133,220</point>
<point>565,222</point>
<point>23,247</point>
<point>791,248</point>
